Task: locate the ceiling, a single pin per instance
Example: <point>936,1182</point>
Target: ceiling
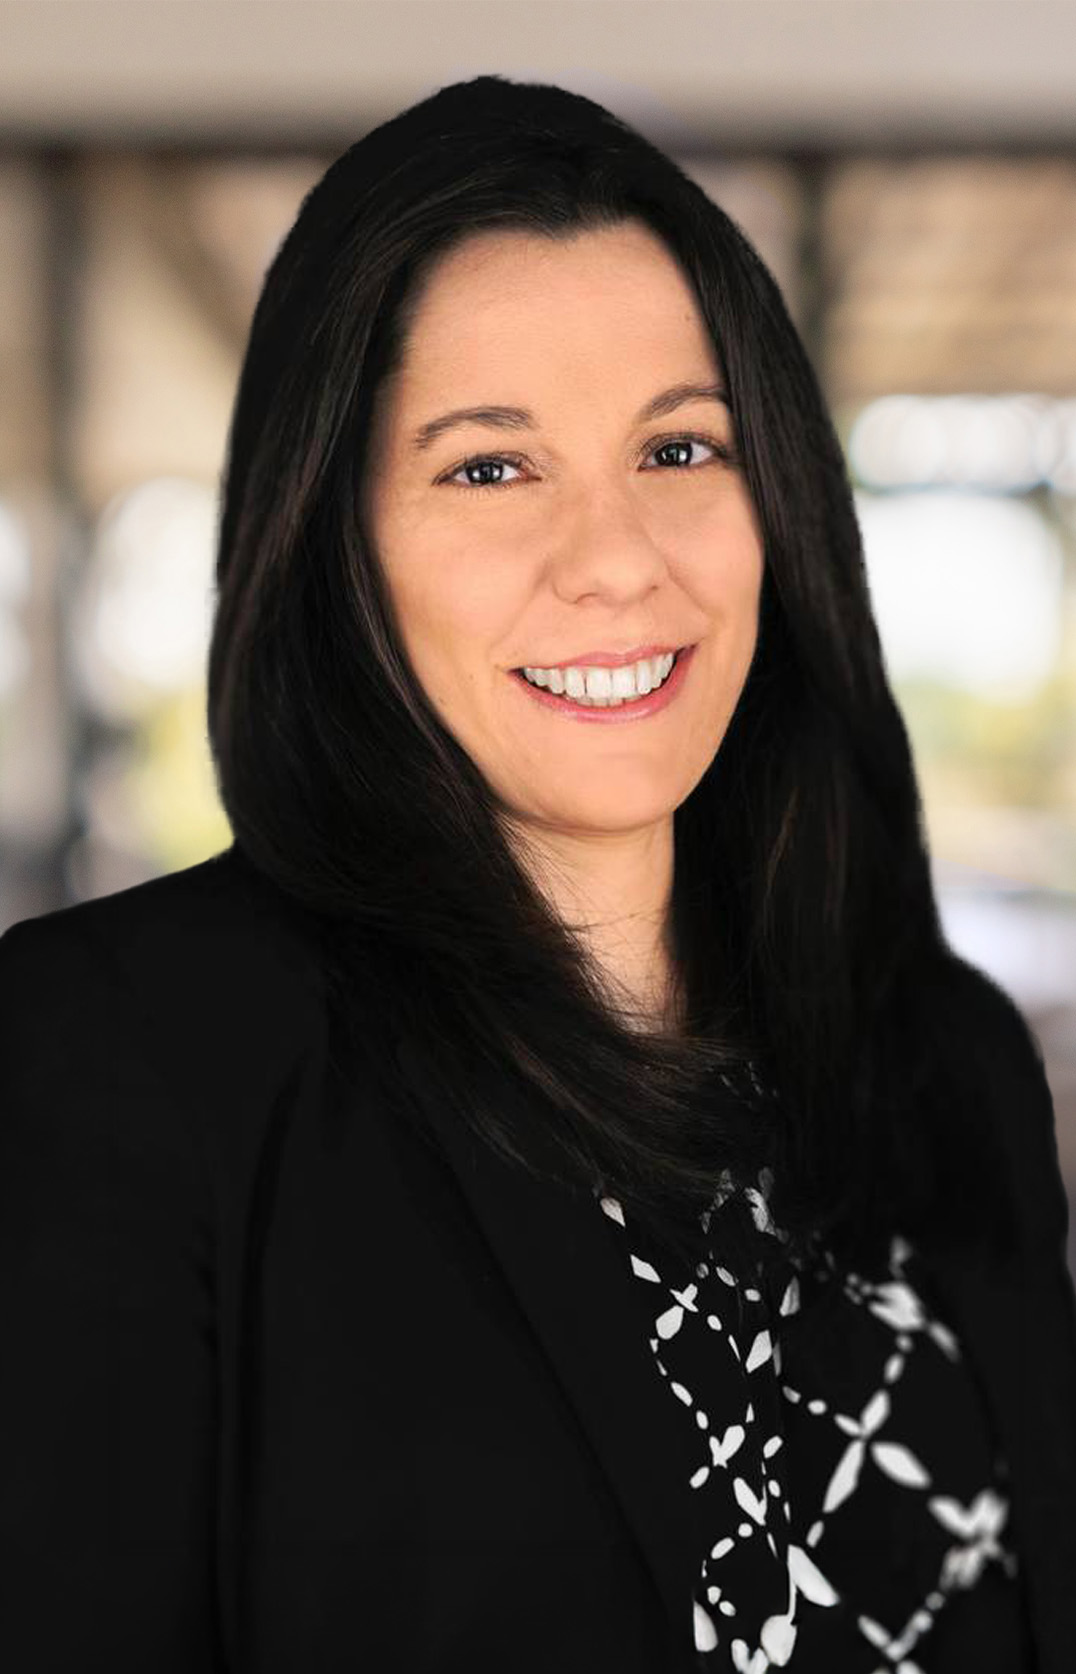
<point>694,74</point>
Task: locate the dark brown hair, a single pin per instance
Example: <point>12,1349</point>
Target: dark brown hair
<point>804,919</point>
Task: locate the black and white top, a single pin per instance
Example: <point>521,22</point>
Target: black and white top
<point>852,1507</point>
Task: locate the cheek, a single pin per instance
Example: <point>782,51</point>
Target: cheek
<point>727,568</point>
<point>455,601</point>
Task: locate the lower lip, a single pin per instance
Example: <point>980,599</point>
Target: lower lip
<point>632,709</point>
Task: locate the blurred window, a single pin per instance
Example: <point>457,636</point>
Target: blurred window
<point>936,297</point>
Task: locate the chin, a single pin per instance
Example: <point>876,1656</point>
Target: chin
<point>615,809</point>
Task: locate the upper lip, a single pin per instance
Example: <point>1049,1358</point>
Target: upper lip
<point>610,659</point>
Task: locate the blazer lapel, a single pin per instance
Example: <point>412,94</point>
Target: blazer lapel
<point>555,1250</point>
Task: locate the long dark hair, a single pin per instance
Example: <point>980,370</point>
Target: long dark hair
<point>831,1034</point>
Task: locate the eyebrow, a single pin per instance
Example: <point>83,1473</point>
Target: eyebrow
<point>521,418</point>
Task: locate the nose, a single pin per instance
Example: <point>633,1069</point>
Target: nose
<point>605,548</point>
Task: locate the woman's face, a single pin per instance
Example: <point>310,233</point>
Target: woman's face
<point>605,531</point>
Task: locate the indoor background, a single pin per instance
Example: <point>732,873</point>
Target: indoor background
<point>906,167</point>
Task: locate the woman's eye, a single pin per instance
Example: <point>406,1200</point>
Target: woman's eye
<point>480,471</point>
<point>677,451</point>
<point>488,470</point>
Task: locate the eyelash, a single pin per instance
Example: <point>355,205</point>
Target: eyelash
<point>723,453</point>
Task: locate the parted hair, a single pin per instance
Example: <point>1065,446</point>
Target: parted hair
<point>804,920</point>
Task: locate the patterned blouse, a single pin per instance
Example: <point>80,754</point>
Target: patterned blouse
<point>851,1506</point>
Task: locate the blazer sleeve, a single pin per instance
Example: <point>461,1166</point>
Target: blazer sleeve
<point>107,1355</point>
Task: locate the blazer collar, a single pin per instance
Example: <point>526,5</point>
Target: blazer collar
<point>554,1247</point>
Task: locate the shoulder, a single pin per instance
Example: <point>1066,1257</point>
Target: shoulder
<point>206,926</point>
<point>205,983</point>
<point>1002,1057</point>
<point>993,1031</point>
<point>220,908</point>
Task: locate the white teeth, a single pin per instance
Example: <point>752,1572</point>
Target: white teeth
<point>605,687</point>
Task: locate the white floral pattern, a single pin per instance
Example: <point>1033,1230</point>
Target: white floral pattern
<point>818,1452</point>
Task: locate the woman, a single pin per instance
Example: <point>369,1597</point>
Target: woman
<point>439,1232</point>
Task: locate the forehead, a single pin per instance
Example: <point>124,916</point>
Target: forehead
<point>484,297</point>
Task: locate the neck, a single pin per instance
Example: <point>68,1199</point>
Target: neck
<point>614,891</point>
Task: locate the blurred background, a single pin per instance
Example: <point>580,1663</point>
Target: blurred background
<point>907,168</point>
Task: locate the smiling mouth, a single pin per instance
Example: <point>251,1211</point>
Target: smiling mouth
<point>562,668</point>
<point>573,694</point>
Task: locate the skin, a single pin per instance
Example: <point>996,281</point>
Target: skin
<point>600,536</point>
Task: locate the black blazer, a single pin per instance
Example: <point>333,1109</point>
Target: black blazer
<point>283,1392</point>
